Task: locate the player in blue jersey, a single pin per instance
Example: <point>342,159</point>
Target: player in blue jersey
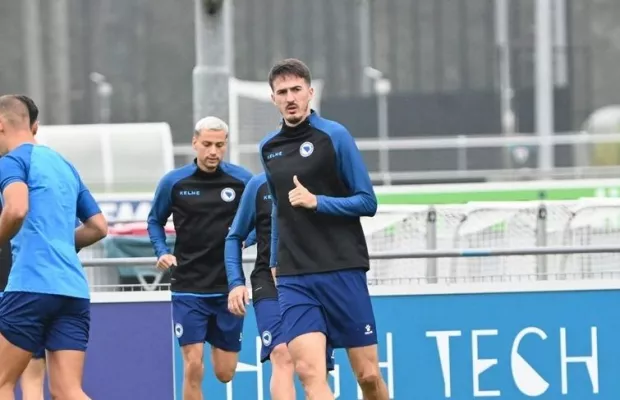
<point>254,215</point>
<point>46,301</point>
<point>320,188</point>
<point>33,378</point>
<point>202,197</point>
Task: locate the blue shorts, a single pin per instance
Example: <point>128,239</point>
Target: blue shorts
<point>206,319</point>
<point>335,303</point>
<point>36,321</point>
<point>269,324</point>
<point>40,353</point>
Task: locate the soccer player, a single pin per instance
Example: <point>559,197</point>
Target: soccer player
<point>33,378</point>
<point>254,215</point>
<point>320,188</point>
<point>202,197</point>
<point>46,300</point>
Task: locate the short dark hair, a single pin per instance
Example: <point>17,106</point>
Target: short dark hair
<point>290,66</point>
<point>33,110</point>
<point>13,110</point>
<point>15,104</point>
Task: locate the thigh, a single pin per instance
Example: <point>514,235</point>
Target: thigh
<point>70,327</point>
<point>225,329</point>
<point>24,318</point>
<point>190,318</point>
<point>348,310</point>
<point>301,311</point>
<point>269,324</point>
<point>65,371</point>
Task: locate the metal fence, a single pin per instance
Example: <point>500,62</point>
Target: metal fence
<point>474,242</point>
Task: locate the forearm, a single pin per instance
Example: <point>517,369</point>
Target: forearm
<point>232,259</point>
<point>86,236</point>
<point>358,205</point>
<point>157,235</point>
<point>10,224</point>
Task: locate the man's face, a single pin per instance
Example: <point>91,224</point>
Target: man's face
<point>292,95</point>
<point>210,147</point>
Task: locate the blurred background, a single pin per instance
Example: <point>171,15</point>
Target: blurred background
<point>450,69</point>
<point>450,101</point>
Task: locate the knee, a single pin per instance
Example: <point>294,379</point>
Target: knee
<point>224,375</point>
<point>309,374</point>
<point>194,371</point>
<point>368,376</point>
<point>224,364</point>
<point>281,358</point>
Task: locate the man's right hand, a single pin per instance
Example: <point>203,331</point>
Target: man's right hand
<point>238,298</point>
<point>273,274</point>
<point>166,261</point>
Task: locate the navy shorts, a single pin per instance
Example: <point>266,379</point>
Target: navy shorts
<point>269,324</point>
<point>36,321</point>
<point>40,353</point>
<point>335,303</point>
<point>206,319</point>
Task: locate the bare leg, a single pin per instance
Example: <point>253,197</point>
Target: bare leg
<point>308,353</point>
<point>33,379</point>
<point>282,386</point>
<point>365,364</point>
<point>13,362</point>
<point>224,364</point>
<point>193,371</point>
<point>66,370</point>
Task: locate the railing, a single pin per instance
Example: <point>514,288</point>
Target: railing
<point>468,157</point>
<point>473,242</point>
<point>429,255</point>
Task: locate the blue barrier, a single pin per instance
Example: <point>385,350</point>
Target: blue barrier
<point>550,345</point>
<point>549,340</point>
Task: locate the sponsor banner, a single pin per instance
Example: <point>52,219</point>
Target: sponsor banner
<point>548,345</point>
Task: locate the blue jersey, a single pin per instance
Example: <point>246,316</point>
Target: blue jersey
<point>44,254</point>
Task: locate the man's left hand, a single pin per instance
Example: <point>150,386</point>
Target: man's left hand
<point>300,196</point>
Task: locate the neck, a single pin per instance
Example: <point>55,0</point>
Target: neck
<point>20,138</point>
<point>300,121</point>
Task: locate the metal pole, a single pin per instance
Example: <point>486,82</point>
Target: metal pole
<point>541,241</point>
<point>365,43</point>
<point>431,244</point>
<point>544,86</point>
<point>33,54</point>
<point>60,108</point>
<point>214,59</point>
<point>383,125</point>
<point>502,38</point>
<point>103,98</point>
<point>560,39</point>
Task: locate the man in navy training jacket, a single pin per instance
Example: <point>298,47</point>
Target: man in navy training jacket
<point>254,215</point>
<point>320,188</point>
<point>202,197</point>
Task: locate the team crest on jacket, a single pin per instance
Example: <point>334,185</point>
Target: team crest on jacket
<point>306,149</point>
<point>228,195</point>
